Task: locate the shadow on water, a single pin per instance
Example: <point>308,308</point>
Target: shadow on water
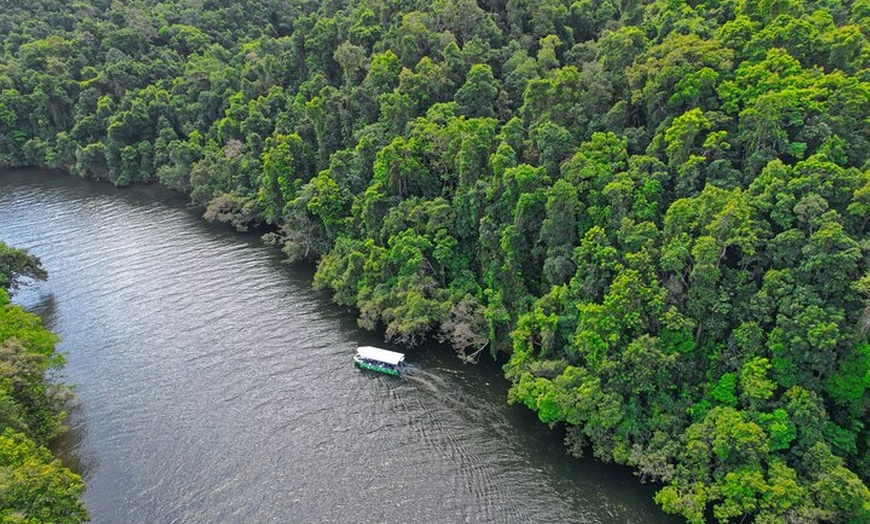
<point>42,304</point>
<point>68,446</point>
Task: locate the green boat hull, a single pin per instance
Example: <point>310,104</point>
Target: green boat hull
<point>373,367</point>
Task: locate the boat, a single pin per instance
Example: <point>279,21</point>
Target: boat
<point>377,359</point>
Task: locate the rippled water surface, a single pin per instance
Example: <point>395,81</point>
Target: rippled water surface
<point>215,386</point>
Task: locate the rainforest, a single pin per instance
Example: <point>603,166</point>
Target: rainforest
<point>654,212</point>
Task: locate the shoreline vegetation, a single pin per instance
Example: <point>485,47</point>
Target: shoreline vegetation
<point>35,487</point>
<point>656,211</point>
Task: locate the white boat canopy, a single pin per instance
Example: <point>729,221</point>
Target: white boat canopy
<point>381,355</point>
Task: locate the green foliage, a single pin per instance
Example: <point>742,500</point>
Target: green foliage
<point>478,95</point>
<point>34,486</point>
<point>657,211</point>
<point>18,264</point>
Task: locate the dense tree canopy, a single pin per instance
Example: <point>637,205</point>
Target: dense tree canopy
<point>35,488</point>
<point>656,212</point>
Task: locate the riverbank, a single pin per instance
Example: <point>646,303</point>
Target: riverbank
<point>216,386</point>
<point>37,487</point>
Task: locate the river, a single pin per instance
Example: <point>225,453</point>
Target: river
<point>215,386</point>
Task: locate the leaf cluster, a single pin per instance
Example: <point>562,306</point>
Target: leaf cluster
<point>657,211</point>
<point>35,487</point>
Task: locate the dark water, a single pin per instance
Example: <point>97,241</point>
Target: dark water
<point>215,386</point>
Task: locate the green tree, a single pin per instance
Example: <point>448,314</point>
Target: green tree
<point>283,170</point>
<point>476,98</point>
<point>16,265</point>
<point>35,487</point>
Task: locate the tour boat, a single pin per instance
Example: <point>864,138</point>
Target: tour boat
<point>377,359</point>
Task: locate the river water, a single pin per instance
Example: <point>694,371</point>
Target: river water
<point>215,386</point>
